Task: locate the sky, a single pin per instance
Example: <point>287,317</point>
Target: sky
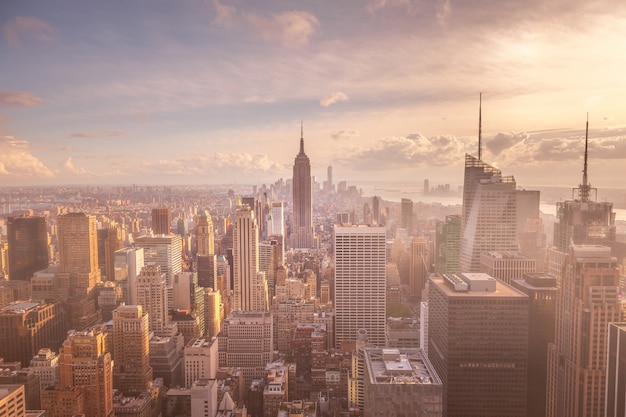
<point>214,92</point>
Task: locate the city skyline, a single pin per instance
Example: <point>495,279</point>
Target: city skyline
<point>212,92</point>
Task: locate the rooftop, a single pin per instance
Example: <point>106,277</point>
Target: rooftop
<point>399,366</point>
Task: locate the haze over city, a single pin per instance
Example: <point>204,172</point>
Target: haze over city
<point>193,92</point>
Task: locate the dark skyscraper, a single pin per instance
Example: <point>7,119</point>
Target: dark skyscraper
<point>28,246</point>
<point>302,219</point>
<point>161,220</point>
<point>407,214</point>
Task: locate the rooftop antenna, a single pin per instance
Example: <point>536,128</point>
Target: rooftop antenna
<point>585,187</point>
<point>480,126</point>
<point>301,137</point>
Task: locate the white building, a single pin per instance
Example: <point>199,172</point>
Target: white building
<point>128,264</point>
<point>152,296</point>
<point>201,360</point>
<point>46,365</point>
<point>360,283</point>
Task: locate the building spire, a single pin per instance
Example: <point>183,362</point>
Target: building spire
<point>301,139</point>
<point>480,126</point>
<point>585,188</point>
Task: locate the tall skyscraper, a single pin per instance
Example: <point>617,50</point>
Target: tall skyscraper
<point>360,283</point>
<point>587,301</point>
<point>489,219</point>
<point>406,205</point>
<point>302,209</point>
<point>448,245</point>
<point>276,221</point>
<point>205,235</point>
<point>132,373</point>
<point>250,285</point>
<point>161,221</point>
<point>616,371</point>
<point>418,267</point>
<point>109,240</point>
<point>128,265</point>
<point>152,297</point>
<point>478,344</point>
<point>85,363</point>
<point>78,254</point>
<point>376,210</point>
<point>163,250</point>
<point>28,246</point>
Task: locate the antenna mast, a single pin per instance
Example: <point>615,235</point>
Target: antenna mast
<point>480,126</point>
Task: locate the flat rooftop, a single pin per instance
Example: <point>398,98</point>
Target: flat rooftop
<point>502,290</point>
<point>399,366</point>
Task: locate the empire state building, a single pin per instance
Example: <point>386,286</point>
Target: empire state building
<point>302,229</point>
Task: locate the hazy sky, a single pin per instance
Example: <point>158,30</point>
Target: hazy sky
<point>192,92</point>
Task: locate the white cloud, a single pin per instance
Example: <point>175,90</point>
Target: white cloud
<point>333,98</point>
<point>27,27</point>
<point>292,29</point>
<point>17,160</point>
<point>224,165</point>
<point>344,134</point>
<point>101,134</point>
<point>19,99</point>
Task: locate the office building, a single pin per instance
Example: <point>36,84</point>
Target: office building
<point>152,297</point>
<point>406,206</point>
<point>250,285</point>
<point>360,283</point>
<point>587,301</point>
<point>448,245</point>
<point>163,250</point>
<point>376,206</point>
<point>27,326</point>
<point>419,264</point>
<point>213,312</point>
<point>85,363</point>
<point>109,241</point>
<point>166,356</point>
<point>506,266</point>
<point>478,344</point>
<point>616,371</point>
<point>541,290</point>
<point>400,382</point>
<point>78,255</point>
<point>132,373</point>
<point>12,401</point>
<point>46,366</point>
<point>207,271</point>
<point>27,239</point>
<point>161,221</point>
<point>201,360</point>
<point>489,219</point>
<point>205,235</point>
<point>128,265</point>
<point>197,401</point>
<point>302,209</point>
<point>247,341</point>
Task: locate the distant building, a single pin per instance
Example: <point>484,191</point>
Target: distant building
<point>418,267</point>
<point>132,373</point>
<point>152,296</point>
<point>401,382</point>
<point>506,266</point>
<point>447,245</point>
<point>161,221</point>
<point>302,209</point>
<point>27,238</point>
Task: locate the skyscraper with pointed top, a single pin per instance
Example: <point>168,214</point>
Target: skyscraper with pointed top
<point>302,218</point>
<point>489,219</point>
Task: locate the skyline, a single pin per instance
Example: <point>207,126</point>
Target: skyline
<point>213,92</point>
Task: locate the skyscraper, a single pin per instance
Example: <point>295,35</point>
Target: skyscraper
<point>478,344</point>
<point>250,285</point>
<point>406,205</point>
<point>489,219</point>
<point>163,250</point>
<point>161,221</point>
<point>205,234</point>
<point>85,363</point>
<point>360,283</point>
<point>587,301</point>
<point>616,371</point>
<point>418,267</point>
<point>152,296</point>
<point>78,254</point>
<point>447,245</point>
<point>28,246</point>
<point>302,216</point>
<point>132,373</point>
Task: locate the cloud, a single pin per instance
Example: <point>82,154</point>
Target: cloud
<point>19,99</point>
<point>219,164</point>
<point>69,165</point>
<point>333,98</point>
<point>344,134</point>
<point>292,29</point>
<point>410,151</point>
<point>16,159</point>
<point>504,141</point>
<point>102,134</point>
<point>28,27</point>
<point>444,8</point>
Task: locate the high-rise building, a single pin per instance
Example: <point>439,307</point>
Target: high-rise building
<point>213,312</point>
<point>376,211</point>
<point>360,283</point>
<point>506,266</point>
<point>109,241</point>
<point>247,341</point>
<point>616,371</point>
<point>201,359</point>
<point>276,221</point>
<point>132,373</point>
<point>250,285</point>
<point>489,219</point>
<point>541,291</point>
<point>12,402</point>
<point>85,363</point>
<point>478,344</point>
<point>128,265</point>
<point>152,297</point>
<point>406,205</point>
<point>78,254</point>
<point>587,301</point>
<point>418,267</point>
<point>27,326</point>
<point>45,365</point>
<point>163,250</point>
<point>302,208</point>
<point>400,382</point>
<point>205,235</point>
<point>161,221</point>
<point>28,246</point>
<point>448,245</point>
